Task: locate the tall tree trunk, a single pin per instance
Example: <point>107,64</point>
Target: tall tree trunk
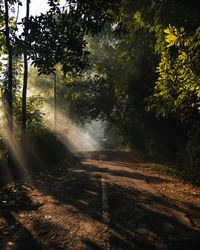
<point>55,103</point>
<point>24,92</point>
<point>9,89</point>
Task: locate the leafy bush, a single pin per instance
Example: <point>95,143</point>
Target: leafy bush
<point>47,148</point>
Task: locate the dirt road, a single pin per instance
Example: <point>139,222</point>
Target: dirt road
<point>110,200</point>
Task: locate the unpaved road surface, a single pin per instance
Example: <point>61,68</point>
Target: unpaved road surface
<point>110,200</point>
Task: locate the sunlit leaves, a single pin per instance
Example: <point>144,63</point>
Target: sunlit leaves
<point>177,88</point>
<point>171,37</point>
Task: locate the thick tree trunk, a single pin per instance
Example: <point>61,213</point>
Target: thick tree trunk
<point>25,83</point>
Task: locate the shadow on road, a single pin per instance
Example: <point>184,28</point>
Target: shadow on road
<point>138,219</point>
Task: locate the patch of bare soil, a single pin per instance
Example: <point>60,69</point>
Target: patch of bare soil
<point>58,209</point>
<point>62,208</point>
<point>183,194</point>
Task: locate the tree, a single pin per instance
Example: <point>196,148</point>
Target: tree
<point>58,37</point>
<point>9,89</point>
<point>9,96</point>
<point>24,91</point>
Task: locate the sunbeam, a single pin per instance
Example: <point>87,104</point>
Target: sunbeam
<point>15,148</point>
<point>71,135</point>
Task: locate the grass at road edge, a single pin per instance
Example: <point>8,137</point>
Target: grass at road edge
<point>187,175</point>
<point>165,169</point>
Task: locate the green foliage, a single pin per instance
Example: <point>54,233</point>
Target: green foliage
<point>165,169</point>
<point>177,88</point>
<point>90,99</point>
<point>150,50</point>
<point>34,116</point>
<point>59,35</point>
<point>143,78</point>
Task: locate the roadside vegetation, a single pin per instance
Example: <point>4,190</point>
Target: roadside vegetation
<point>131,66</point>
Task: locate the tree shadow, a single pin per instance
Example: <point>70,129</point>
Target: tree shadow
<point>148,222</point>
<point>13,201</point>
<point>139,219</point>
<point>122,173</point>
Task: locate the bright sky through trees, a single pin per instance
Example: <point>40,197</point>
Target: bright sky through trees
<point>36,7</point>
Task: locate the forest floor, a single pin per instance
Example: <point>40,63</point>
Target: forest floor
<point>109,200</point>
